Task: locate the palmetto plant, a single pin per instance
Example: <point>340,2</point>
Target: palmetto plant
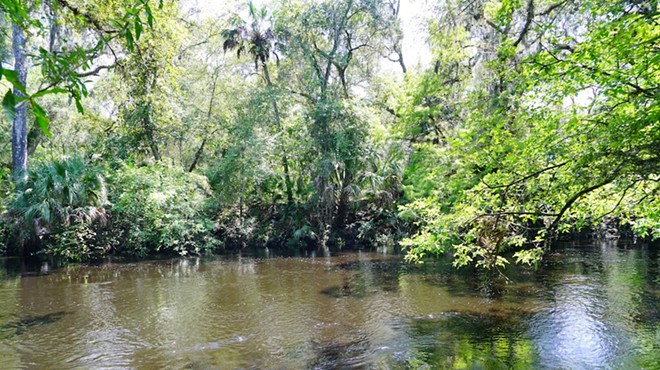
<point>56,194</point>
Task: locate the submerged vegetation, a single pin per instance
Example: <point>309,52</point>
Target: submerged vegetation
<point>140,127</point>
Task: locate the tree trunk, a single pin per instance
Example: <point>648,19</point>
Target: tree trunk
<point>200,151</point>
<point>343,204</point>
<point>19,128</point>
<point>54,27</point>
<point>285,158</point>
<point>396,7</point>
<point>198,155</point>
<point>149,130</point>
<point>397,50</point>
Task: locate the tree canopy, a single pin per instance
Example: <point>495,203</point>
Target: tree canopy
<point>155,126</point>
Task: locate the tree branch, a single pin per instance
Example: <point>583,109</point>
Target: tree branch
<point>525,178</point>
<point>96,70</point>
<point>623,195</point>
<point>638,89</point>
<point>304,95</point>
<point>575,197</point>
<point>552,7</point>
<point>528,22</point>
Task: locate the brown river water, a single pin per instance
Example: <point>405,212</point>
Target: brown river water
<point>589,306</point>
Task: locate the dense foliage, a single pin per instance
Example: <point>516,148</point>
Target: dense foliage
<point>547,128</point>
<point>298,125</point>
<point>160,209</point>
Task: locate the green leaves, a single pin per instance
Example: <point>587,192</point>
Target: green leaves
<point>79,106</point>
<point>550,139</point>
<point>55,90</point>
<point>129,40</point>
<point>150,16</point>
<point>9,105</point>
<point>138,27</point>
<point>10,101</point>
<point>160,208</point>
<point>12,77</point>
<point>61,70</point>
<point>16,10</point>
<point>61,194</point>
<point>136,24</point>
<point>41,119</point>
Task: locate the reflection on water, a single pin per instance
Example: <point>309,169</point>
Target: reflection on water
<point>587,307</point>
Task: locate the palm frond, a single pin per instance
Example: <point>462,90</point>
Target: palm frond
<point>56,193</point>
<point>250,36</point>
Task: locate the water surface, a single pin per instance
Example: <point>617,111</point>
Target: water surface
<point>587,307</point>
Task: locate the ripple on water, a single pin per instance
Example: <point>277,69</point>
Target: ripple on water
<point>352,311</point>
<point>573,331</point>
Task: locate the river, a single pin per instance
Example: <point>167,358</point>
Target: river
<point>588,306</point>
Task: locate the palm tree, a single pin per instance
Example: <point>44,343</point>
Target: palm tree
<point>257,39</point>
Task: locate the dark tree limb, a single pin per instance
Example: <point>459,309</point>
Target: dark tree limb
<point>569,203</point>
<point>623,195</point>
<point>525,178</point>
<point>209,112</point>
<point>397,50</point>
<point>528,22</point>
<point>552,7</point>
<point>637,89</point>
<point>96,70</point>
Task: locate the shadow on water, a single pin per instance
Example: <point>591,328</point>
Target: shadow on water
<point>10,268</point>
<point>24,324</point>
<point>460,340</point>
<point>341,354</point>
<point>478,327</point>
<point>364,278</point>
<point>338,291</point>
<point>383,275</point>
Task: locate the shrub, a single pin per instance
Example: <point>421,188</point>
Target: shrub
<point>160,209</point>
<point>5,234</point>
<point>54,197</point>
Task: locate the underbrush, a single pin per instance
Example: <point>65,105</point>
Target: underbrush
<point>72,209</point>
